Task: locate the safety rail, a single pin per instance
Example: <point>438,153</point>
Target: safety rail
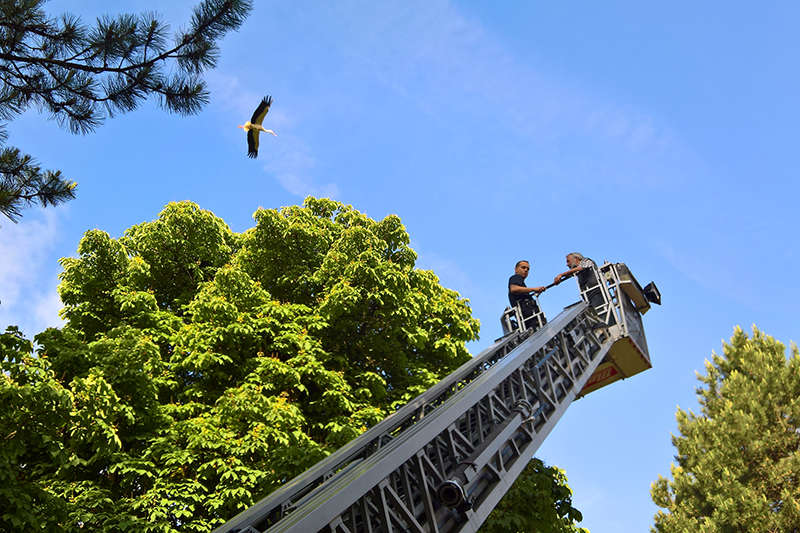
<point>514,318</point>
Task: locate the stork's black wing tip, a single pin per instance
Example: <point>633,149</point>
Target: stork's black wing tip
<point>261,110</point>
<point>252,155</point>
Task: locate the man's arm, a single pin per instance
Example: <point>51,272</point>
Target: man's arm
<point>520,289</point>
<point>569,273</point>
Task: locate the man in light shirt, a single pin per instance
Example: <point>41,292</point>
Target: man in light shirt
<point>584,268</point>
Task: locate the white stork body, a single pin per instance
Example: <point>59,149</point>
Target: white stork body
<point>253,126</point>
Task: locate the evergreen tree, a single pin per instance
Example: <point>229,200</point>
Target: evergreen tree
<point>80,75</point>
<point>738,461</point>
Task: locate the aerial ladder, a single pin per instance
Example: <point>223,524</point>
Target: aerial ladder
<point>443,461</point>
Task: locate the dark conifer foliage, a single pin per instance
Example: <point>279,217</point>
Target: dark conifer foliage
<point>80,75</point>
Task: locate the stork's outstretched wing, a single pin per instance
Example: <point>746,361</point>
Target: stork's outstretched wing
<point>261,111</point>
<point>252,143</point>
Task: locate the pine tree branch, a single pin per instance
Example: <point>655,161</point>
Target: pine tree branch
<point>82,75</point>
<point>73,65</point>
<point>22,183</point>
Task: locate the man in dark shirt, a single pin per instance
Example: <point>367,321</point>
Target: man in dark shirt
<point>519,294</point>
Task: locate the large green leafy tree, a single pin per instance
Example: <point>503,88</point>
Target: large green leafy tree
<point>539,501</point>
<point>738,461</point>
<point>199,369</point>
<point>81,75</point>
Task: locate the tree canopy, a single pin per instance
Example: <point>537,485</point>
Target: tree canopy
<point>738,461</point>
<point>82,75</point>
<point>539,501</point>
<point>200,368</point>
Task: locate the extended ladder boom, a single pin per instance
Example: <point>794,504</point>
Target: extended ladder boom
<point>442,462</point>
<point>270,509</point>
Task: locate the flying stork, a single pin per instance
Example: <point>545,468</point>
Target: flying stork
<point>253,126</point>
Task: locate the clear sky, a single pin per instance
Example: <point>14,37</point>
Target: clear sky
<point>662,136</point>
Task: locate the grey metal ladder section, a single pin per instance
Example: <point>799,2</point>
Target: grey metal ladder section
<point>442,462</point>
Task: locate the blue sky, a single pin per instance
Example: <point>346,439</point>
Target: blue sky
<point>659,136</point>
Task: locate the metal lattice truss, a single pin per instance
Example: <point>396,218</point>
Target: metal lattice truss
<point>617,308</point>
<point>443,461</point>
